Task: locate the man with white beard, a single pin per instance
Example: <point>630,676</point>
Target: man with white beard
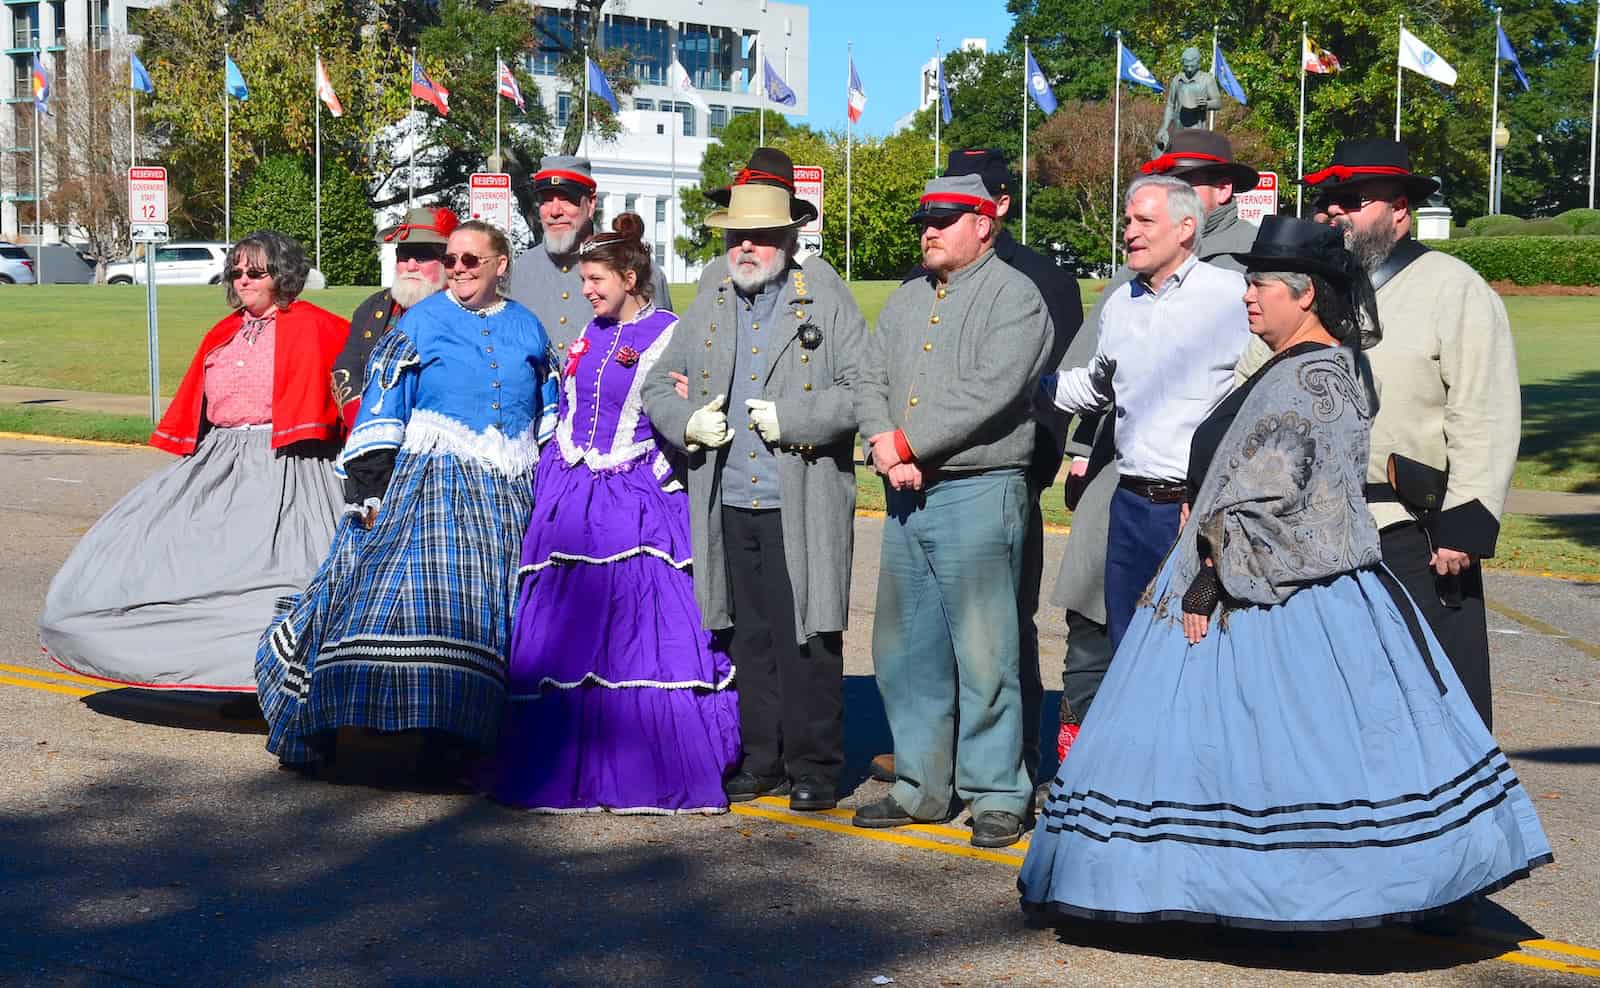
<point>419,241</point>
<point>757,388</point>
<point>545,277</point>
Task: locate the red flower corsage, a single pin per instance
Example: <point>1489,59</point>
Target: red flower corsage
<point>575,353</point>
<point>627,356</point>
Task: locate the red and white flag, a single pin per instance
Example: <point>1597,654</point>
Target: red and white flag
<point>325,92</point>
<point>424,88</point>
<point>1316,60</point>
<point>507,85</point>
<point>856,98</point>
<point>678,80</point>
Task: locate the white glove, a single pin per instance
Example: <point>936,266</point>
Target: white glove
<point>708,426</point>
<point>765,416</point>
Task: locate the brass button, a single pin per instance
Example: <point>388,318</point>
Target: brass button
<point>747,307</point>
<point>565,296</point>
<point>563,320</point>
<point>755,325</point>
<point>752,454</point>
<point>565,268</point>
<point>941,293</point>
<point>755,480</point>
<point>751,427</point>
<point>366,334</point>
<point>755,349</point>
<point>708,344</point>
<point>913,403</point>
<point>926,347</point>
<point>807,386</point>
<point>799,313</point>
<point>933,320</point>
<point>705,373</point>
<point>752,377</point>
<point>755,502</point>
<point>721,300</point>
<point>713,327</point>
<point>805,358</point>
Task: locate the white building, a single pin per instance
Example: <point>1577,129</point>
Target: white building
<point>717,41</point>
<point>928,86</point>
<point>45,29</point>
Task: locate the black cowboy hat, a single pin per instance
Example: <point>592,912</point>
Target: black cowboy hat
<point>767,167</point>
<point>1195,151</point>
<point>1371,160</point>
<point>988,164</point>
<point>1284,243</point>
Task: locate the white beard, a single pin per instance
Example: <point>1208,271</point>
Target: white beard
<point>562,244</point>
<point>751,282</point>
<point>411,288</point>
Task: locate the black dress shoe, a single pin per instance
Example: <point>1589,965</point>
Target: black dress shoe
<point>996,828</point>
<point>813,794</point>
<point>884,813</point>
<point>747,786</point>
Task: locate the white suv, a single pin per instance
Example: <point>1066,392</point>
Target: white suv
<point>182,262</point>
<point>16,267</point>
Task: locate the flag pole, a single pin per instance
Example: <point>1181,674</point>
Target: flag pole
<point>1594,101</point>
<point>38,202</point>
<point>938,101</point>
<point>849,141</point>
<point>583,141</point>
<point>227,152</point>
<point>411,166</point>
<point>497,108</point>
<point>1399,74</point>
<point>761,67</point>
<point>1494,113</point>
<point>1211,115</point>
<point>1116,145</point>
<point>316,99</point>
<point>672,205</point>
<point>1300,139</point>
<point>1025,83</point>
<point>133,148</point>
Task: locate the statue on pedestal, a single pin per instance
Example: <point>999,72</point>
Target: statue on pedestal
<point>1191,94</point>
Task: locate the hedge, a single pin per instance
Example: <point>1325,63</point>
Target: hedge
<point>1529,260</point>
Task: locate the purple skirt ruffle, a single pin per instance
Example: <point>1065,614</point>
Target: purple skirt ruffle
<point>619,699</point>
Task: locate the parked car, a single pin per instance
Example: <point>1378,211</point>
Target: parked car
<point>181,262</point>
<point>16,267</point>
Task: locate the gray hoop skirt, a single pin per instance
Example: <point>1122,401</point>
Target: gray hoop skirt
<point>172,588</point>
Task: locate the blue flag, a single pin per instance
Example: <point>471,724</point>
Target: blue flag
<point>944,95</point>
<point>599,85</point>
<point>234,80</point>
<point>1134,71</point>
<point>138,78</point>
<point>1226,79</point>
<point>777,90</point>
<point>1039,88</point>
<point>1511,56</point>
<point>39,81</point>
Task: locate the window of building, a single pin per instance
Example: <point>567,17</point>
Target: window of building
<point>630,202</point>
<point>661,210</point>
<point>25,27</point>
<point>719,120</point>
<point>685,110</point>
<point>552,35</point>
<point>661,256</point>
<point>648,41</point>
<point>21,78</point>
<point>563,108</point>
<point>643,104</point>
<point>711,55</point>
<point>58,14</point>
<point>743,111</point>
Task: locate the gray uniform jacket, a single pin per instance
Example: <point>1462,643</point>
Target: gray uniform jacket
<point>553,289</point>
<point>955,367</point>
<point>1081,581</point>
<point>813,386</point>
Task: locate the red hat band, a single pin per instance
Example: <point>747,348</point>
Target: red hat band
<point>1173,159</point>
<point>1346,172</point>
<point>748,175</point>
<point>983,207</point>
<point>558,175</point>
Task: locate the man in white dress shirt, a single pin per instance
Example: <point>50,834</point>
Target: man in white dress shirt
<point>1168,342</point>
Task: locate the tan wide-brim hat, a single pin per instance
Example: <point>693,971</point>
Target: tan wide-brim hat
<point>761,207</point>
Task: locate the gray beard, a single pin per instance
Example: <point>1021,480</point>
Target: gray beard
<point>408,290</point>
<point>563,244</point>
<point>1371,246</point>
<point>752,283</point>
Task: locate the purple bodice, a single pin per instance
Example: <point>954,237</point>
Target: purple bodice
<point>602,418</point>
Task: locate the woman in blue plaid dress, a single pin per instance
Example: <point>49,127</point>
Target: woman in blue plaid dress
<point>405,627</point>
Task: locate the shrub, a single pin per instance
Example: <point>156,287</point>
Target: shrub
<point>1529,260</point>
<point>1499,225</point>
<point>1577,220</point>
<point>280,195</point>
<point>1547,227</point>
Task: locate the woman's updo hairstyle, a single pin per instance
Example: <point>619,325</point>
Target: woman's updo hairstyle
<point>623,250</point>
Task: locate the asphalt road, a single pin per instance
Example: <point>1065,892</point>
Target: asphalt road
<point>146,840</point>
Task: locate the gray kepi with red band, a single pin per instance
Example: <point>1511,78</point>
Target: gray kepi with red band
<point>952,196</point>
<point>1200,157</point>
<point>1355,162</point>
<point>421,225</point>
<point>565,175</point>
<point>761,196</point>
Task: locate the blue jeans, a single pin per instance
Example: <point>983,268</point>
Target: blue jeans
<point>945,640</point>
<point>1138,538</point>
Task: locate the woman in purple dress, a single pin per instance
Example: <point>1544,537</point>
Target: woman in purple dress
<point>619,701</point>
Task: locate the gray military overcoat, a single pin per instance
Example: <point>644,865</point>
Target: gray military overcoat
<point>813,388</point>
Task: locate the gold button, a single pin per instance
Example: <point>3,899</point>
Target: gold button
<point>565,268</point>
<point>755,502</point>
<point>808,386</point>
<point>565,296</point>
<point>941,293</point>
<point>563,346</point>
<point>563,320</point>
<point>934,320</point>
<point>367,334</point>
<point>747,307</point>
<point>752,377</point>
<point>799,313</point>
<point>721,300</point>
<point>708,344</point>
<point>926,347</point>
<point>751,427</point>
<point>705,373</point>
<point>713,327</point>
<point>755,349</point>
<point>755,480</point>
<point>752,454</point>
<point>755,325</point>
<point>913,403</point>
<point>805,358</point>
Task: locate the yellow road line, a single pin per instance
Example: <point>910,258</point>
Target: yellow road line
<point>1556,946</point>
<point>61,674</point>
<point>67,441</point>
<point>883,836</point>
<point>962,834</point>
<point>1545,963</point>
<point>1587,648</point>
<point>46,687</point>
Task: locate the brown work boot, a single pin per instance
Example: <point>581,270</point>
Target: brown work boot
<point>882,768</point>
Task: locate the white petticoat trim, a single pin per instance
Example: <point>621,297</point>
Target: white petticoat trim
<point>576,557</point>
<point>358,510</point>
<point>597,680</point>
<point>626,810</point>
<point>430,432</point>
<point>621,448</point>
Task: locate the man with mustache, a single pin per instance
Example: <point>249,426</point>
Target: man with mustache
<point>545,277</point>
<point>419,241</point>
<point>1446,371</point>
<point>757,387</point>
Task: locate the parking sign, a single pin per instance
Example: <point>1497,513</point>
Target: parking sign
<point>489,198</point>
<point>1259,201</point>
<point>147,202</point>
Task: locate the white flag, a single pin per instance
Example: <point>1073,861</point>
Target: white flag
<point>1421,59</point>
<point>325,92</point>
<point>678,79</point>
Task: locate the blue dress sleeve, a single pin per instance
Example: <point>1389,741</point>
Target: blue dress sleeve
<point>386,402</point>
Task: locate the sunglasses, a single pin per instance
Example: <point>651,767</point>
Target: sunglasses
<point>468,261</point>
<point>419,253</point>
<point>254,274</point>
<point>1349,200</point>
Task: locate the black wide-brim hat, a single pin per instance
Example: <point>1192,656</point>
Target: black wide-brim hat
<point>1288,244</point>
<point>759,208</point>
<point>1195,151</point>
<point>1355,162</point>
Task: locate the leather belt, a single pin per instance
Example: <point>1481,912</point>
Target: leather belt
<point>1380,494</point>
<point>1157,491</point>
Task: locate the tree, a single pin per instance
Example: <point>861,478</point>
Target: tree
<point>889,177</point>
<point>281,196</point>
<point>722,162</point>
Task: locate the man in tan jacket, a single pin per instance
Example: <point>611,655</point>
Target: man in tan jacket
<point>1446,373</point>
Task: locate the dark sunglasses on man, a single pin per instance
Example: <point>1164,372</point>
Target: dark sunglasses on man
<point>420,253</point>
<point>1348,200</point>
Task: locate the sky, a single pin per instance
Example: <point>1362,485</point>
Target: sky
<point>892,38</point>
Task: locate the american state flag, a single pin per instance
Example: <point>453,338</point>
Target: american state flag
<point>856,98</point>
<point>426,89</point>
<point>507,84</point>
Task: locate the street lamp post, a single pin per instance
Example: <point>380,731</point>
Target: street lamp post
<point>1502,137</point>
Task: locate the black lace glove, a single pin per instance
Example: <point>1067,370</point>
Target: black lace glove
<point>1202,596</point>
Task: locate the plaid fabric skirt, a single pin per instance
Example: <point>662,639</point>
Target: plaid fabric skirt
<point>405,626</point>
